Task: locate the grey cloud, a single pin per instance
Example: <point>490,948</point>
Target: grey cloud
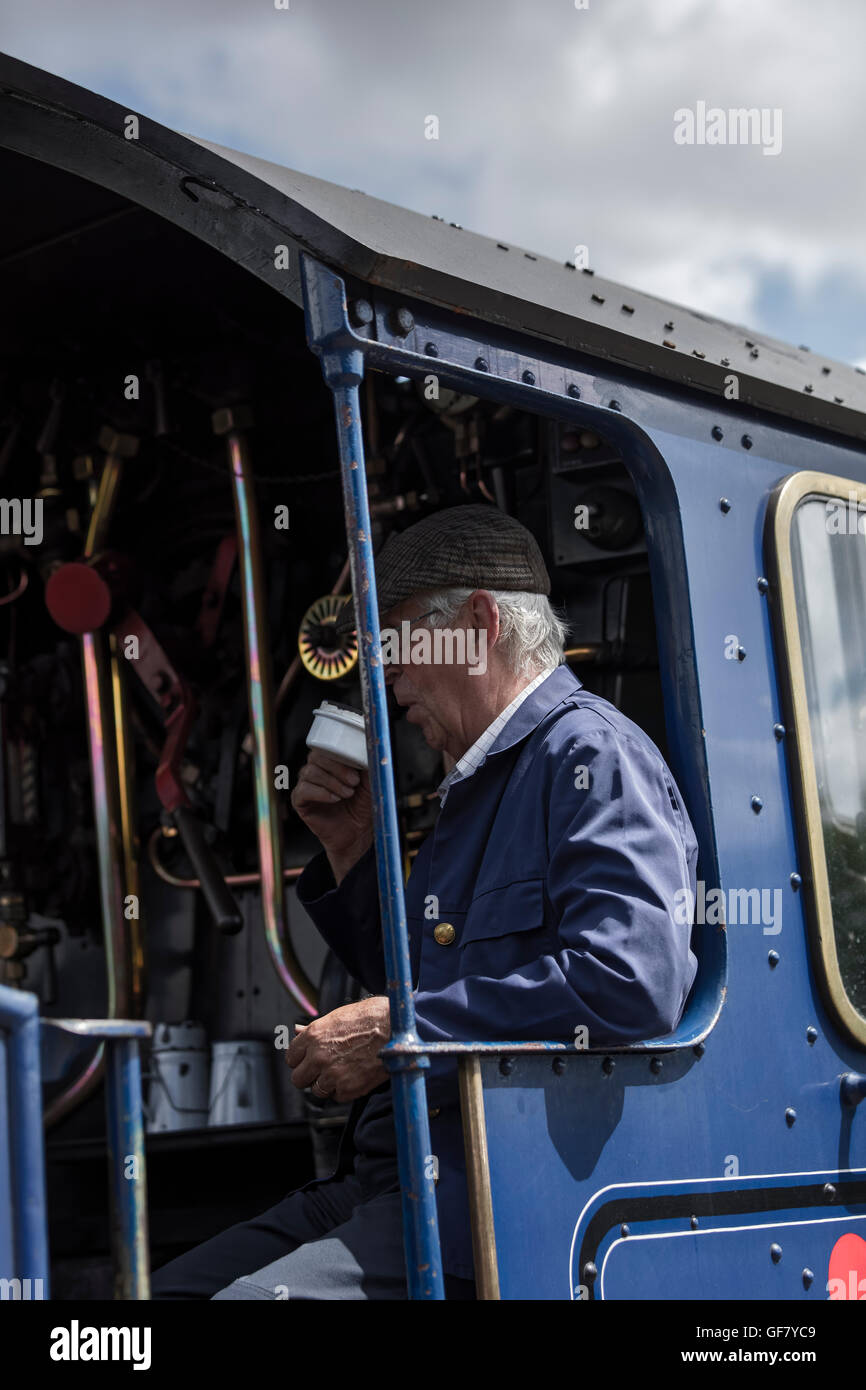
<point>556,125</point>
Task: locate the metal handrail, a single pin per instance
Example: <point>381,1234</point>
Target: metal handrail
<point>330,337</point>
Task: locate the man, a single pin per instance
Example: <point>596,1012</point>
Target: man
<point>542,903</point>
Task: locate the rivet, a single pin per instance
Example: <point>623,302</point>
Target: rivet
<point>699,1049</point>
<point>796,882</point>
<point>746,441</point>
<point>431,350</point>
<point>790,1116</point>
<point>724,504</point>
<point>574,391</point>
<point>360,312</point>
<point>757,805</point>
<point>717,432</point>
<point>775,1253</point>
<point>624,1230</point>
<point>590,1273</point>
<point>608,1065</point>
<point>693,1222</point>
<point>811,1035</point>
<point>559,1065</point>
<point>506,1066</point>
<point>741,653</point>
<point>779,731</point>
<point>829,1191</point>
<point>481,364</point>
<point>763,585</point>
<point>401,322</point>
<point>529,378</point>
<point>615,405</point>
<point>773,959</point>
<point>655,1065</point>
<point>808,1277</point>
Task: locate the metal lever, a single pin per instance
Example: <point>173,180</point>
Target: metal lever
<point>221,904</point>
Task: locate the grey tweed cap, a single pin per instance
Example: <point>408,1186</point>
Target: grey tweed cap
<point>468,547</point>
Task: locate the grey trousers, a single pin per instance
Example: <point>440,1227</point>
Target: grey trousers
<point>327,1241</point>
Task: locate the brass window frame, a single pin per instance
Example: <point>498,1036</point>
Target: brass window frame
<point>783,505</point>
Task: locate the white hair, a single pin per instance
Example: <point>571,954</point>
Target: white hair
<point>531,633</point>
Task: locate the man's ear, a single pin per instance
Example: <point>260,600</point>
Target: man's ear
<point>485,613</point>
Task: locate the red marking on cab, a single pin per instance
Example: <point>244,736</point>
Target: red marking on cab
<point>846,1275</point>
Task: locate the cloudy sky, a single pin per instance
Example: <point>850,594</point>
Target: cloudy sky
<point>556,125</point>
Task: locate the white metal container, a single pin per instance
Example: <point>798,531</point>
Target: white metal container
<point>242,1083</point>
<point>179,1078</point>
<point>339,731</point>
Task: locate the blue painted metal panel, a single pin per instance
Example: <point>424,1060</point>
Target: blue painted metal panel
<point>735,1262</point>
<point>740,1087</point>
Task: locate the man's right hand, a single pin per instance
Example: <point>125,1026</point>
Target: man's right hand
<point>333,800</point>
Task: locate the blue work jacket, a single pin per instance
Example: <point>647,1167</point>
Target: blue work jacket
<point>557,866</point>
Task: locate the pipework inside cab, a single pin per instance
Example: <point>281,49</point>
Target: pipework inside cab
<point>100,294</point>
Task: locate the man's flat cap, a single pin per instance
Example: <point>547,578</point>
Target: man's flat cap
<point>469,547</point>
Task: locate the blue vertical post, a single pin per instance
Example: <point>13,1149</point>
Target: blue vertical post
<point>127,1167</point>
<point>330,336</point>
<point>125,1142</point>
<point>19,1018</point>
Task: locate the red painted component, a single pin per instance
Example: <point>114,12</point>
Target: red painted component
<point>78,598</point>
<point>214,595</point>
<point>158,676</point>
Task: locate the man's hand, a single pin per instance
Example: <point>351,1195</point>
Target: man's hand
<point>333,800</point>
<point>337,1053</point>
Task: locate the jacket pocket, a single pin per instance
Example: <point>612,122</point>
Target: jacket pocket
<point>516,907</point>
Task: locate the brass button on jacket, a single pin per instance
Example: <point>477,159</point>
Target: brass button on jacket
<point>444,934</point>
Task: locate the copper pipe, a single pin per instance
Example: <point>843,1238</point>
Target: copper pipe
<point>233,880</point>
<point>262,725</point>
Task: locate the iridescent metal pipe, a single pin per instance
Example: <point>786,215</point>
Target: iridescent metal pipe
<point>133,928</point>
<point>262,723</point>
<point>96,669</point>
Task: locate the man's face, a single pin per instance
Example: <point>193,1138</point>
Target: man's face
<point>443,699</point>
